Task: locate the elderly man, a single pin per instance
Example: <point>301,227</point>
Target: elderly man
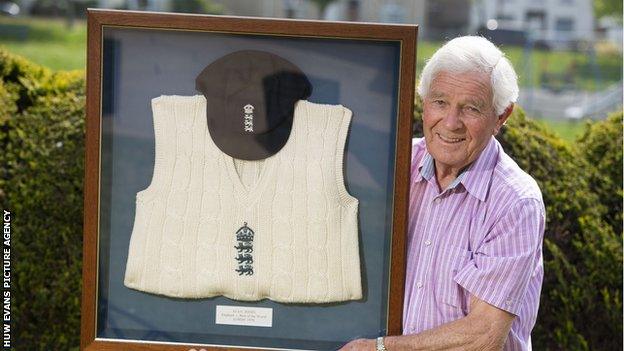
<point>476,220</point>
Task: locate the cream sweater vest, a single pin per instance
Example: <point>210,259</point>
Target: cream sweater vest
<point>282,228</point>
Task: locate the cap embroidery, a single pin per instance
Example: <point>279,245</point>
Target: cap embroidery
<point>248,109</point>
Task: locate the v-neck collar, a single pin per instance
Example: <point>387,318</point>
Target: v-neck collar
<point>249,193</point>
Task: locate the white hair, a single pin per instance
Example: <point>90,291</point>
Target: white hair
<point>470,54</point>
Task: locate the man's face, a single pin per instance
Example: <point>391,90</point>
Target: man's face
<point>459,118</point>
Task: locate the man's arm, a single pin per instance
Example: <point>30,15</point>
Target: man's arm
<point>484,328</point>
<point>502,268</point>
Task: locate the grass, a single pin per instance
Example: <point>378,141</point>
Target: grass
<point>568,130</point>
<point>48,42</point>
<point>582,70</point>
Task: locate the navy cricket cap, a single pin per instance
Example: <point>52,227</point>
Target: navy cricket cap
<point>250,101</point>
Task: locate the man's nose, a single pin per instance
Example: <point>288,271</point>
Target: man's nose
<point>452,119</point>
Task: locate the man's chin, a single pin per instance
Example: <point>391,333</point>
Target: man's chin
<point>447,160</point>
<point>450,150</point>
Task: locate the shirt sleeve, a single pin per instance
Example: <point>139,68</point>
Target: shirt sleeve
<point>501,267</point>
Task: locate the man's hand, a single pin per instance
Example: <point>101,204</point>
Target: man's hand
<point>360,345</point>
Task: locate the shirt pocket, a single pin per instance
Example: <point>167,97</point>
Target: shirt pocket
<point>450,260</point>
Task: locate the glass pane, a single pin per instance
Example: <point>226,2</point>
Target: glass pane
<point>141,64</point>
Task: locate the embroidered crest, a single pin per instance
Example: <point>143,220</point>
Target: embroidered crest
<point>244,236</point>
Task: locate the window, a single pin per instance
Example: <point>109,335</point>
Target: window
<point>564,25</point>
<point>535,20</point>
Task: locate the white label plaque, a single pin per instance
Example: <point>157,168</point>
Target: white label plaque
<point>249,316</point>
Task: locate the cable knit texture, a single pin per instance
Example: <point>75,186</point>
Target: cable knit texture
<point>305,245</point>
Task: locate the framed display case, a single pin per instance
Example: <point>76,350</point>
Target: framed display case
<point>189,243</point>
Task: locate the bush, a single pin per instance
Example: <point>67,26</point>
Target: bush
<point>41,134</point>
<point>601,146</point>
<point>581,303</point>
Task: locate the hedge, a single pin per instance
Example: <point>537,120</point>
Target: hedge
<point>581,304</point>
<point>601,146</point>
<point>41,134</point>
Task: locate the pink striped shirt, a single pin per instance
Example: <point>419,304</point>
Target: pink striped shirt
<point>482,236</point>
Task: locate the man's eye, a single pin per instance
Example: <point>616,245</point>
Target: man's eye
<point>473,109</point>
<point>438,102</point>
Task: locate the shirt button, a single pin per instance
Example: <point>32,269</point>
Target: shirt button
<point>427,242</point>
<point>419,285</point>
<point>508,302</point>
<point>436,200</point>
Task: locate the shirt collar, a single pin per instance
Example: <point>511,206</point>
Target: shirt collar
<point>479,173</point>
<point>475,178</point>
<point>427,167</point>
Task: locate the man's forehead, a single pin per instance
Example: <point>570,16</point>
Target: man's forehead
<point>476,100</point>
<point>476,77</point>
<point>470,85</point>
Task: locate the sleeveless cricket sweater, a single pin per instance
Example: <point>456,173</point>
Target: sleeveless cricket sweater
<point>282,228</point>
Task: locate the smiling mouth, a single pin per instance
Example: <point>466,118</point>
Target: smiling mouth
<point>450,140</point>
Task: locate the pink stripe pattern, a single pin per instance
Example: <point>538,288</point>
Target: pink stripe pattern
<point>480,236</point>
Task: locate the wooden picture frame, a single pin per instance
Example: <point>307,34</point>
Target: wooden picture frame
<point>134,56</point>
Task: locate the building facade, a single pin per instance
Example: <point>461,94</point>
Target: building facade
<point>557,23</point>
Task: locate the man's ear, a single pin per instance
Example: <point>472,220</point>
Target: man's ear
<point>502,118</point>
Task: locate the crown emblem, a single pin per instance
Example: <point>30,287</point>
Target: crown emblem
<point>248,108</point>
<point>245,234</point>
